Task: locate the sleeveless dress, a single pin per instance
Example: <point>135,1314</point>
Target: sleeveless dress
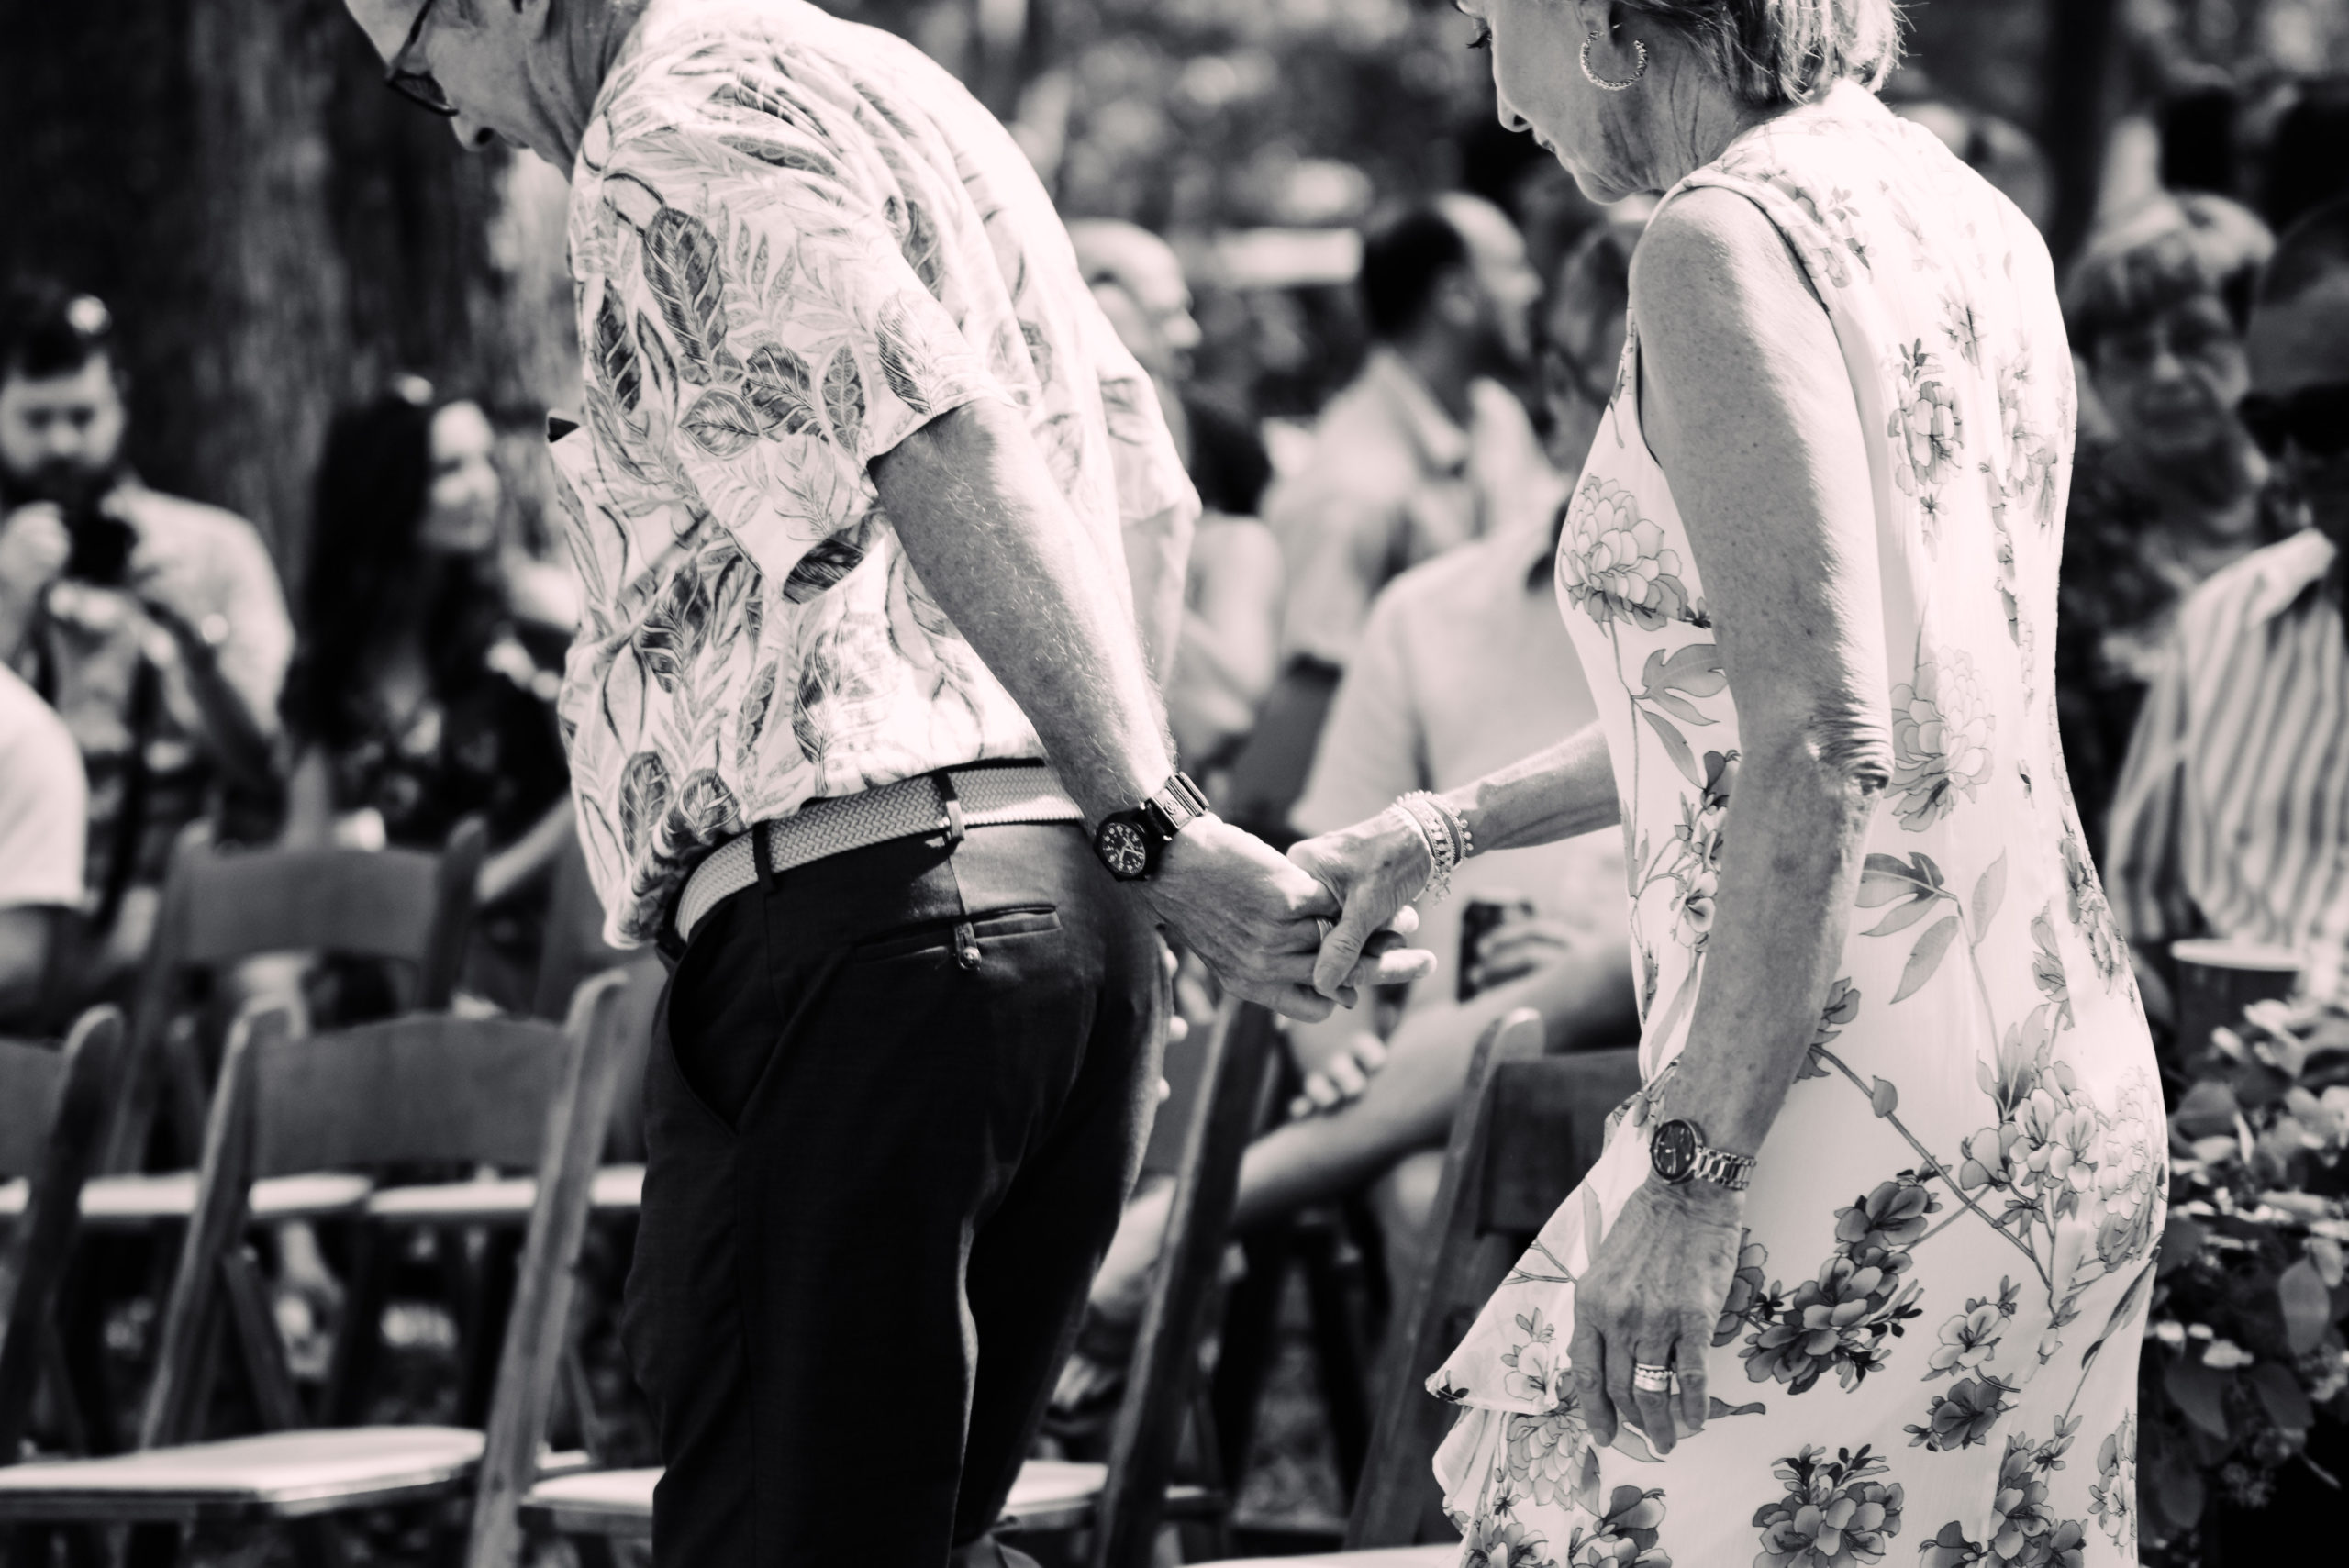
<point>1930,1352</point>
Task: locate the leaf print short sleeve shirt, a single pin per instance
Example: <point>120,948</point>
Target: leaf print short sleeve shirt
<point>796,241</point>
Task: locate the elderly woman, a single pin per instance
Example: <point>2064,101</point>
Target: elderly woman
<point>1869,1253</point>
<point>2173,489</point>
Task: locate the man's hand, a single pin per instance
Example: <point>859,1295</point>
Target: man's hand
<point>34,546</point>
<point>1250,917</point>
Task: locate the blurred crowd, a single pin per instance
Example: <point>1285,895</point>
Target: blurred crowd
<point>1384,426</point>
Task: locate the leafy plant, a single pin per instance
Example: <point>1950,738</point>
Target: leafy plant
<point>2244,1346</point>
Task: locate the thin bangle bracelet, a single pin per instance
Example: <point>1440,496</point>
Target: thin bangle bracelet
<point>1427,842</point>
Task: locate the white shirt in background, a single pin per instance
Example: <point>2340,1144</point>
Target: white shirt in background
<point>44,803</point>
<point>1464,666</point>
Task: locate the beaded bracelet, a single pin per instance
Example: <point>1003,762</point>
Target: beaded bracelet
<point>1445,834</point>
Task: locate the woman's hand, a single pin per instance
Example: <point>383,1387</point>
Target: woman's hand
<point>1374,868</point>
<point>1654,1295</point>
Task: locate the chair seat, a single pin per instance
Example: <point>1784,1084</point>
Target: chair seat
<point>1443,1555</point>
<point>505,1201</point>
<point>1050,1493</point>
<point>595,1502</point>
<point>280,1475</point>
<point>138,1203</point>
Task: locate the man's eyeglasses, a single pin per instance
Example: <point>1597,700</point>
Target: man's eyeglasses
<point>417,86</point>
<point>2314,418</point>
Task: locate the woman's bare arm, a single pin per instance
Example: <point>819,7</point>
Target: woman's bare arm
<point>1749,408</point>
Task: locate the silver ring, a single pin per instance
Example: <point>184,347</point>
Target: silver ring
<point>1651,1379</point>
<point>1323,927</point>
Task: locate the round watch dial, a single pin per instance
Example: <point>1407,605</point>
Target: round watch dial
<point>1672,1151</point>
<point>1123,849</point>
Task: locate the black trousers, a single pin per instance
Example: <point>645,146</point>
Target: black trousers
<point>893,1108</point>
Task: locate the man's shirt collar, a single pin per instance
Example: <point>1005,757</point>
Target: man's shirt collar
<point>1444,445</point>
<point>2290,571</point>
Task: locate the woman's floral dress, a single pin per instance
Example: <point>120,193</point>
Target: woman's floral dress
<point>1930,1352</point>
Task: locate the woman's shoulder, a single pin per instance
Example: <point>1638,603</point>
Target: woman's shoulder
<point>1711,262</point>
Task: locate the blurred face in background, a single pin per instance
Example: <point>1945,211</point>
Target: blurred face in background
<point>61,436</point>
<point>461,508</point>
<point>1506,286</point>
<point>2171,381</point>
<point>2300,361</point>
<point>1150,306</point>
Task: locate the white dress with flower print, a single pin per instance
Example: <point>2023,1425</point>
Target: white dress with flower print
<point>1930,1353</point>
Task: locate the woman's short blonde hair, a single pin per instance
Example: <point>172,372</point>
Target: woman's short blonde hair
<point>1772,52</point>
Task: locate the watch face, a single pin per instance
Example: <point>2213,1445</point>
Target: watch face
<point>1123,849</point>
<point>1672,1151</point>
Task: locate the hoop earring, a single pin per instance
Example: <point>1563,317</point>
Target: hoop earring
<point>1640,53</point>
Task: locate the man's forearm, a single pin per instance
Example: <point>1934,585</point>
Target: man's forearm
<point>998,547</point>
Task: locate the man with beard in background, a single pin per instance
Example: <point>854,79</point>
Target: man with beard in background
<point>155,627</point>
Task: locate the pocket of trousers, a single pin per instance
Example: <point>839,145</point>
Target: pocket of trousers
<point>963,941</point>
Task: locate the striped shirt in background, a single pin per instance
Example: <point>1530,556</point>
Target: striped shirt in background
<point>2233,814</point>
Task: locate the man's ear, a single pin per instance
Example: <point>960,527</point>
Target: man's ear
<point>1457,301</point>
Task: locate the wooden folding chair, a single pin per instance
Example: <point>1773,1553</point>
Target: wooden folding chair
<point>415,1089</point>
<point>52,1112</point>
<point>221,906</point>
<point>1123,1502</point>
<point>1528,1128</point>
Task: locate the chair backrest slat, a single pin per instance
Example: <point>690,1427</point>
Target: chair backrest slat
<point>1548,1125</point>
<point>53,1104</point>
<point>530,1356</point>
<point>29,1074</point>
<point>1222,1100</point>
<point>425,1087</point>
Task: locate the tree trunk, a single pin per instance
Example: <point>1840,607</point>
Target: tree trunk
<point>276,233</point>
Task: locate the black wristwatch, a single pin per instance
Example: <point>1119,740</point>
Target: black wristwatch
<point>1677,1150</point>
<point>1130,842</point>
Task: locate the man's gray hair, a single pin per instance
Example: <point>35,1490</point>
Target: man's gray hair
<point>1774,53</point>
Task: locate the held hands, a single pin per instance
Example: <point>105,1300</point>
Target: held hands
<point>1654,1295</point>
<point>1375,868</point>
<point>1252,917</point>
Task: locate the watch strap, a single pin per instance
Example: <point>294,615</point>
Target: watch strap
<point>1175,805</point>
<point>1734,1171</point>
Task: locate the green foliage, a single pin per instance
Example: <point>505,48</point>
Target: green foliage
<point>2244,1345</point>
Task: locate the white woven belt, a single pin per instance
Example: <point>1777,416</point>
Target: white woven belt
<point>984,797</point>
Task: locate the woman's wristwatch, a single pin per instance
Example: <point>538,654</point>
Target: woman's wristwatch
<point>1677,1150</point>
<point>1130,842</point>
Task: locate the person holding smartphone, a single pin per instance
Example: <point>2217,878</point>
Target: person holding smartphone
<point>154,626</point>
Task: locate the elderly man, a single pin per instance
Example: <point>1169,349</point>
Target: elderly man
<point>873,515</point>
<point>2232,817</point>
<point>153,625</point>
